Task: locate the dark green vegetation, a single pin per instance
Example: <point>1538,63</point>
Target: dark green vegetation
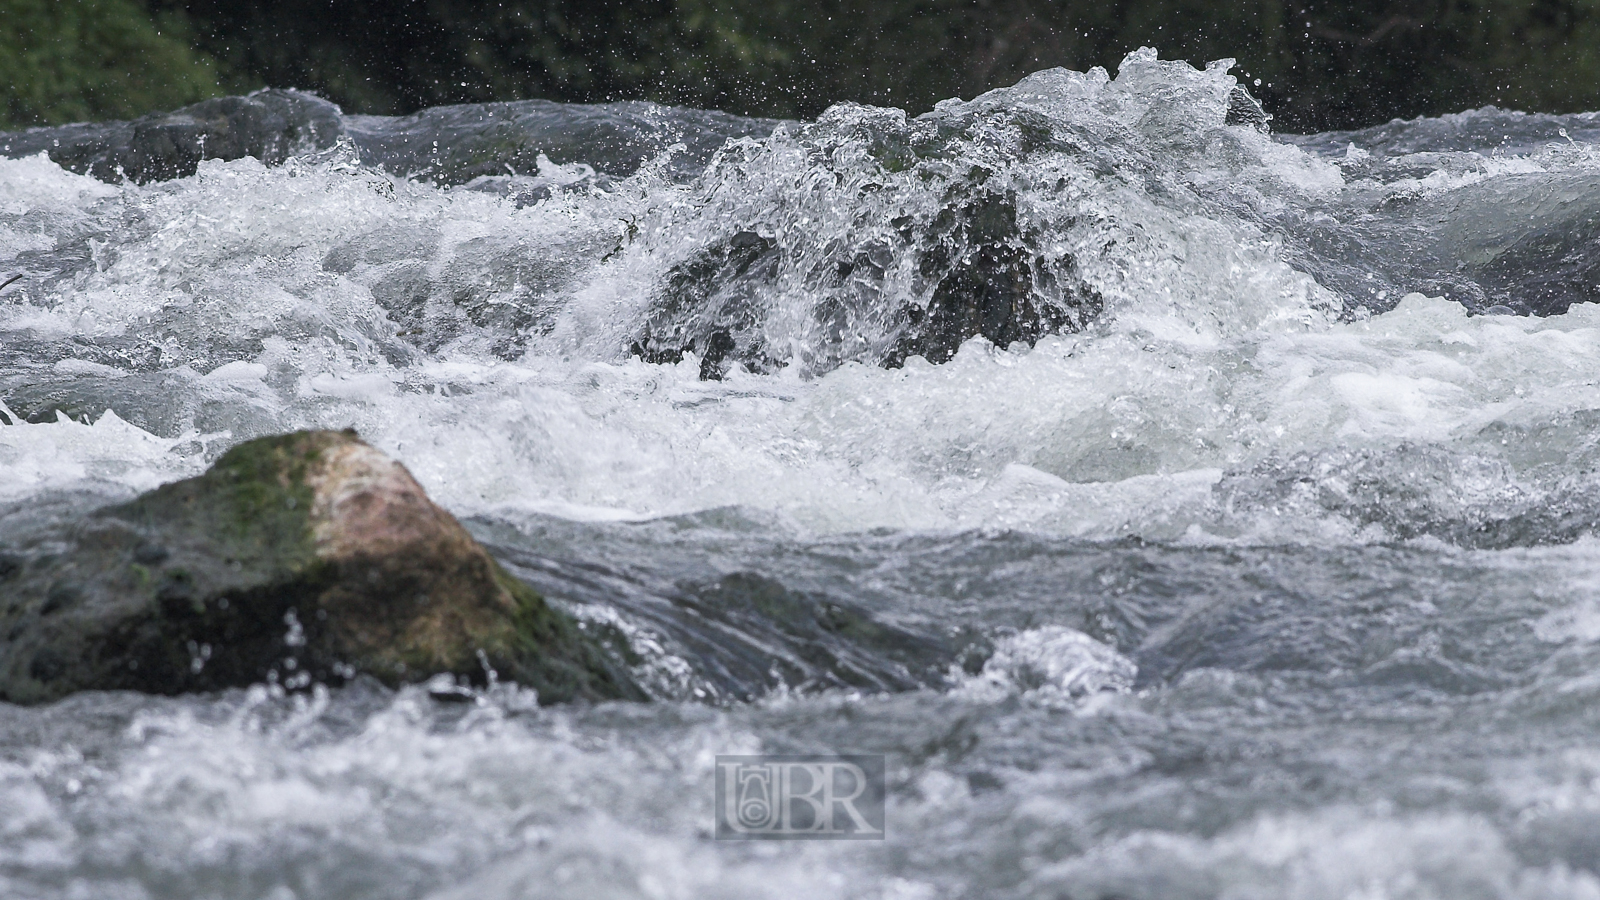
<point>1322,64</point>
<point>302,558</point>
<point>71,60</point>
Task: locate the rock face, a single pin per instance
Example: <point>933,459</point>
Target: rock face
<point>299,558</point>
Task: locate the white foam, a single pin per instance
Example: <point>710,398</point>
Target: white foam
<point>1052,665</point>
<point>305,291</point>
<point>1333,854</point>
<point>34,182</point>
<point>66,453</point>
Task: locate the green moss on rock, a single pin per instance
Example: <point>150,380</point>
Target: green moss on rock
<point>300,558</point>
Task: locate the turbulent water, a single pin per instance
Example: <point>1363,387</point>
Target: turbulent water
<point>1242,549</point>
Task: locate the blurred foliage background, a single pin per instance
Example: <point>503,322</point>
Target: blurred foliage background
<point>1321,64</point>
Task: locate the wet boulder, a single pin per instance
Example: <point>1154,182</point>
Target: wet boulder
<point>270,125</point>
<point>985,277</point>
<point>1243,109</point>
<point>706,300</point>
<point>298,559</point>
<point>972,266</point>
<point>876,239</point>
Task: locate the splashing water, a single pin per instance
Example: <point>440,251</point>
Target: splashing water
<point>1184,510</point>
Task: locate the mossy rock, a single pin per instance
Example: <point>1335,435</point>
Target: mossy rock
<point>301,558</point>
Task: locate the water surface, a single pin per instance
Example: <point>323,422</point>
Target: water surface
<point>1259,565</point>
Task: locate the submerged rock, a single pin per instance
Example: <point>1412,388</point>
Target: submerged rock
<point>298,558</point>
<point>268,125</point>
<point>477,142</point>
<point>495,146</point>
<point>1244,109</point>
<point>917,238</point>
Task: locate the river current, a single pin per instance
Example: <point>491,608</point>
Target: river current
<point>1254,558</point>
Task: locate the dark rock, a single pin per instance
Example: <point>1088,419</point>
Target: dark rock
<point>715,364</point>
<point>268,125</point>
<point>301,558</point>
<point>984,276</point>
<point>974,256</point>
<point>1244,109</point>
<point>948,259</point>
<point>706,300</point>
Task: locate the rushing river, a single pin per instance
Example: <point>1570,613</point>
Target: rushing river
<point>1253,557</point>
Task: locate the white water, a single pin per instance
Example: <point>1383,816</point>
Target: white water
<point>1308,684</point>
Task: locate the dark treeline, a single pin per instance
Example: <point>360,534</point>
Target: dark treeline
<point>1321,64</point>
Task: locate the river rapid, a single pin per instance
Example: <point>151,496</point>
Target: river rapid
<point>1254,558</point>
